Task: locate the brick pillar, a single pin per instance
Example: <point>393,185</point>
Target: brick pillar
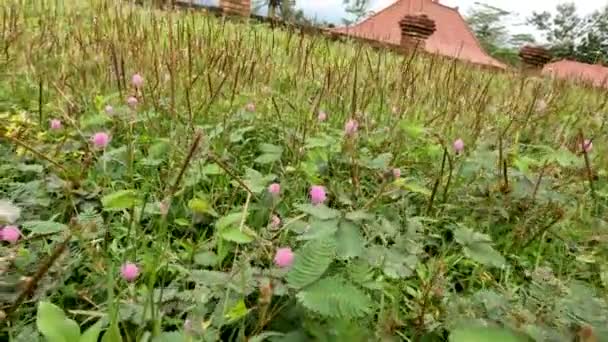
<point>534,57</point>
<point>415,30</point>
<point>236,7</point>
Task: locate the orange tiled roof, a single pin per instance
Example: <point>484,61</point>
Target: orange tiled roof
<point>453,37</point>
<point>594,74</point>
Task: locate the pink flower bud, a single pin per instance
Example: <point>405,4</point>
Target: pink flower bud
<point>100,140</point>
<point>129,271</point>
<point>587,145</point>
<point>275,221</point>
<point>396,172</point>
<point>284,257</point>
<point>351,126</point>
<point>132,102</point>
<point>250,107</point>
<point>109,110</point>
<point>55,124</point>
<point>322,116</point>
<point>458,145</point>
<point>10,234</point>
<point>317,194</point>
<point>137,80</point>
<point>274,189</point>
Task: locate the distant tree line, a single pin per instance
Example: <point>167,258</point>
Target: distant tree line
<point>567,33</point>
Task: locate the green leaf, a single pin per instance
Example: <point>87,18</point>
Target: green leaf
<point>238,311</point>
<point>267,158</point>
<point>413,187</point>
<point>398,265</point>
<point>311,261</point>
<point>206,258</point>
<point>381,162</point>
<point>228,220</point>
<point>170,336</point>
<point>485,334</point>
<point>350,242</point>
<point>335,297</point>
<point>54,325</point>
<point>270,148</point>
<point>212,170</point>
<point>120,200</point>
<point>44,227</point>
<point>477,246</point>
<point>484,254</point>
<point>318,229</point>
<point>359,215</point>
<point>92,333</point>
<point>234,234</point>
<point>201,206</point>
<point>112,334</point>
<point>265,335</point>
<point>256,181</point>
<point>95,120</point>
<point>319,211</point>
<point>412,129</point>
<point>160,149</point>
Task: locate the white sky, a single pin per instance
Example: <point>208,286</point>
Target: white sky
<point>333,10</point>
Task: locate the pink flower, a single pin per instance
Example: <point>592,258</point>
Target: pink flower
<point>55,124</point>
<point>100,140</point>
<point>587,145</point>
<point>317,194</point>
<point>284,257</point>
<point>250,107</point>
<point>351,126</point>
<point>137,80</point>
<point>275,221</point>
<point>109,110</point>
<point>458,145</point>
<point>396,172</point>
<point>132,102</point>
<point>322,116</point>
<point>129,271</point>
<point>10,234</point>
<point>274,189</point>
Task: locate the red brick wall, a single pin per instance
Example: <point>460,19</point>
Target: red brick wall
<point>236,7</point>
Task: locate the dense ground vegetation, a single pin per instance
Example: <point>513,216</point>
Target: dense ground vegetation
<point>173,176</point>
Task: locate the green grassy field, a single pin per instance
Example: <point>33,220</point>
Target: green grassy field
<point>411,238</point>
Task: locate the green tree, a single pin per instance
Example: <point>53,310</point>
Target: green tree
<point>357,9</point>
<point>561,30</point>
<point>593,47</point>
<point>487,22</point>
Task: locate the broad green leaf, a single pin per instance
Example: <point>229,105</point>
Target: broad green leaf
<point>319,211</point>
<point>54,325</point>
<point>478,247</point>
<point>120,200</point>
<point>212,169</point>
<point>256,181</point>
<point>319,229</point>
<point>268,158</point>
<point>398,265</point>
<point>311,261</point>
<point>270,148</point>
<point>359,215</point>
<point>95,120</point>
<point>228,220</point>
<point>381,162</point>
<point>159,149</point>
<point>485,334</point>
<point>112,334</point>
<point>350,242</point>
<point>206,258</point>
<point>412,129</point>
<point>335,297</point>
<point>201,206</point>
<point>264,336</point>
<point>170,336</point>
<point>238,311</point>
<point>234,234</point>
<point>44,227</point>
<point>92,333</point>
<point>35,168</point>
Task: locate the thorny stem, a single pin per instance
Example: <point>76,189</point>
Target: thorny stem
<point>587,165</point>
<point>193,147</point>
<point>437,181</point>
<point>227,169</point>
<point>541,231</point>
<point>42,270</point>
